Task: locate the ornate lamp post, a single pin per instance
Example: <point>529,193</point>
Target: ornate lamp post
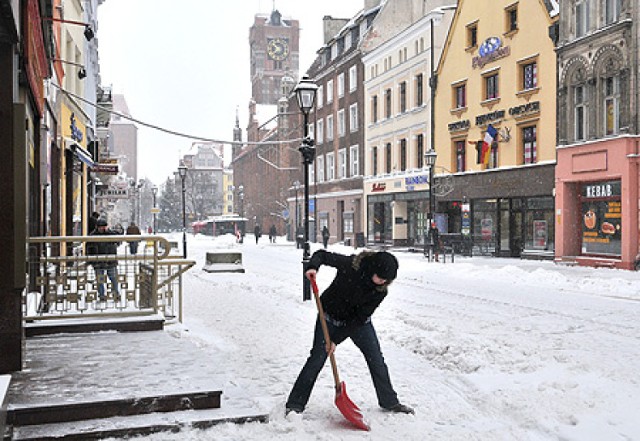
<point>154,190</point>
<point>182,171</point>
<point>296,186</point>
<point>430,160</point>
<point>306,95</point>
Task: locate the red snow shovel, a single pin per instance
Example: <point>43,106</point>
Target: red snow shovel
<point>347,407</point>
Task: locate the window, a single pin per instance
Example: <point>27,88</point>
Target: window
<point>580,117</point>
<point>310,131</point>
<point>529,144</point>
<point>511,16</point>
<point>472,35</point>
<point>419,90</point>
<point>388,158</point>
<point>582,17</point>
<point>461,155</point>
<point>353,117</point>
<point>460,95</point>
<point>320,133</point>
<point>319,97</point>
<point>403,97</point>
<point>341,85</point>
<point>491,87</point>
<point>420,150</point>
<point>329,127</point>
<point>331,167</point>
<point>329,91</point>
<point>354,156</point>
<point>353,78</point>
<point>374,109</point>
<point>320,168</point>
<point>529,76</point>
<point>611,105</point>
<point>341,122</point>
<point>403,154</point>
<point>611,10</point>
<point>374,161</point>
<point>342,163</point>
<point>387,103</point>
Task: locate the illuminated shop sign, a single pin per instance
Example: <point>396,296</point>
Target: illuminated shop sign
<point>378,186</point>
<point>601,218</point>
<point>490,50</point>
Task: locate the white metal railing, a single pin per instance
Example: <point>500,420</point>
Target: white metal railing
<point>63,282</point>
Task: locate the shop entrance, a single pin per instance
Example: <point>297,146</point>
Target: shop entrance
<point>510,228</point>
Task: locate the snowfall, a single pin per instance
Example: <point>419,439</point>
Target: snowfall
<point>483,348</point>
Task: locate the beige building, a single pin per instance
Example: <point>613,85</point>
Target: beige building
<point>498,69</point>
<point>397,66</point>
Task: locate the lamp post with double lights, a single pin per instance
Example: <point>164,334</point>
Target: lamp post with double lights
<point>182,171</point>
<point>306,95</point>
<point>154,190</point>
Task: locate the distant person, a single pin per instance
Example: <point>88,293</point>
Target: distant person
<point>93,222</point>
<point>299,237</point>
<point>257,232</point>
<point>434,240</point>
<point>133,230</point>
<point>272,234</point>
<point>325,236</point>
<point>108,268</point>
<point>149,229</point>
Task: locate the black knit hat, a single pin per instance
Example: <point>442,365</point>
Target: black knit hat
<point>101,223</point>
<point>384,265</point>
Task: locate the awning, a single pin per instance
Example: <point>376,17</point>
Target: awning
<point>83,155</point>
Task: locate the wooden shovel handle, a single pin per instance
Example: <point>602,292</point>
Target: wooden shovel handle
<point>325,330</point>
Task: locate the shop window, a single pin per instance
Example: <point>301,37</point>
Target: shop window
<point>461,155</point>
<point>472,35</point>
<point>420,150</point>
<point>529,145</point>
<point>611,105</point>
<point>601,218</point>
<point>511,18</point>
<point>539,224</point>
<point>347,223</point>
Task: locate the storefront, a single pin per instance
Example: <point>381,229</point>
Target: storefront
<point>597,216</point>
<point>397,210</point>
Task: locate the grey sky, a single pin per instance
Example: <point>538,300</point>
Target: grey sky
<point>184,65</point>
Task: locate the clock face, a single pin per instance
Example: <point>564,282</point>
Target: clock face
<point>277,48</point>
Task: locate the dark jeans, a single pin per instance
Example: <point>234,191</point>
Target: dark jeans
<point>365,338</point>
<point>112,274</point>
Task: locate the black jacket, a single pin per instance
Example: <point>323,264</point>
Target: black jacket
<point>352,296</point>
<point>100,248</point>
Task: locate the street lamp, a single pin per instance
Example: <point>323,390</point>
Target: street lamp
<point>242,223</point>
<point>430,160</point>
<point>296,186</point>
<point>154,190</point>
<point>306,95</point>
<point>182,171</point>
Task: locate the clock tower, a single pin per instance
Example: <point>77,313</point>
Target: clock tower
<point>274,52</point>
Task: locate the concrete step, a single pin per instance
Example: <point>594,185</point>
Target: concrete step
<point>129,426</point>
<point>98,323</point>
<point>22,415</point>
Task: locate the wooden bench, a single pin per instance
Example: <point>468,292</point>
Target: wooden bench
<point>223,262</point>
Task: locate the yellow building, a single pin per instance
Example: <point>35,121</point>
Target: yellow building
<point>227,193</point>
<point>498,71</point>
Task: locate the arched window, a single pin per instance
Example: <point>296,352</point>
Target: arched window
<point>608,89</point>
<point>577,101</point>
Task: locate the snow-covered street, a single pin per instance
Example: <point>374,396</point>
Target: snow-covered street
<point>484,348</point>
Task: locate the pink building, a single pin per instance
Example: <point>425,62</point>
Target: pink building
<point>597,202</point>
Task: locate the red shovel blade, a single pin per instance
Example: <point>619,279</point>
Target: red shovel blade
<point>349,409</point>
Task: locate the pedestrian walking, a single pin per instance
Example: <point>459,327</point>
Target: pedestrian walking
<point>433,237</point>
<point>325,236</point>
<point>133,230</point>
<point>104,268</point>
<point>257,232</point>
<point>272,234</point>
<point>93,222</point>
<point>360,285</point>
